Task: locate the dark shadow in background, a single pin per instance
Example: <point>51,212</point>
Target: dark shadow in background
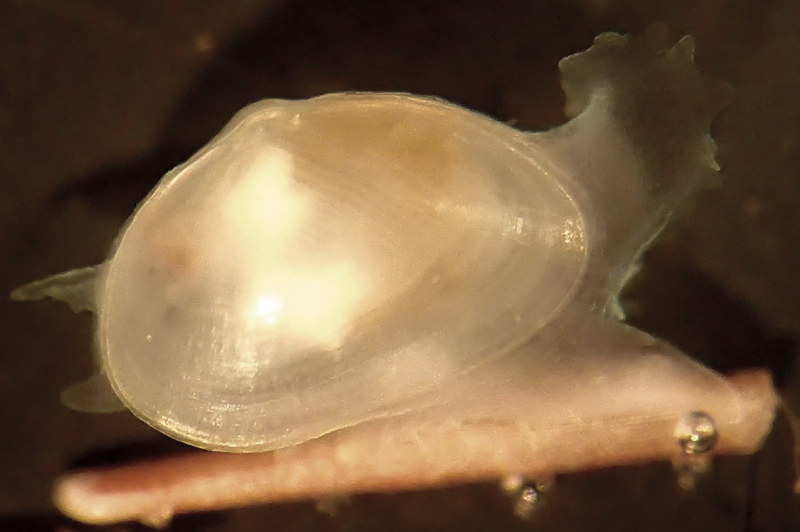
<point>488,56</point>
<point>672,299</point>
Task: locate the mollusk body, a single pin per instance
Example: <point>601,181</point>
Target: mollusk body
<point>326,263</point>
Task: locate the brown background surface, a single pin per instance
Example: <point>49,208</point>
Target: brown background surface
<point>98,99</point>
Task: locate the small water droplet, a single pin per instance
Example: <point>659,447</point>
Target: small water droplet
<point>696,433</point>
<point>524,495</point>
<point>525,502</point>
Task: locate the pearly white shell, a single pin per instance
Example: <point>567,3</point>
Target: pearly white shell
<point>328,262</point>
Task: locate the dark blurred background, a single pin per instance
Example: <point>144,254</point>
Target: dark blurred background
<point>99,99</point>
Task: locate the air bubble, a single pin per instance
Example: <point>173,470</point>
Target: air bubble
<point>696,433</point>
<point>525,502</point>
<point>524,495</point>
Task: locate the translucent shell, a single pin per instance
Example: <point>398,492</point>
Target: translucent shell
<point>328,262</point>
<point>333,257</point>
